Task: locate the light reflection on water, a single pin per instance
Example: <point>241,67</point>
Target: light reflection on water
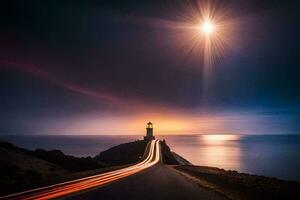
<point>270,155</point>
<point>215,153</point>
<point>221,151</point>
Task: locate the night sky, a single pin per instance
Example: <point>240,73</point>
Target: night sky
<point>105,67</point>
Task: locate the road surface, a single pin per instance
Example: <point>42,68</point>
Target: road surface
<point>159,182</point>
<point>149,179</point>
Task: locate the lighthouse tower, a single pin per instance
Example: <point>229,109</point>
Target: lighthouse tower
<point>149,134</point>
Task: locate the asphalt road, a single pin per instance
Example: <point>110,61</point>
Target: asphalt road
<point>155,183</point>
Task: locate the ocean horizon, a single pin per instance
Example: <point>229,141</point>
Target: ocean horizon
<point>268,155</point>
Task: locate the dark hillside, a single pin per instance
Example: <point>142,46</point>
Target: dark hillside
<point>22,169</point>
<point>123,154</point>
<point>69,162</point>
<point>19,171</point>
<point>167,155</point>
<point>235,185</point>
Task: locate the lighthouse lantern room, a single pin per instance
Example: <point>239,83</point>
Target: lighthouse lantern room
<point>149,132</point>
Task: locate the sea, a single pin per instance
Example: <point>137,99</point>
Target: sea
<point>268,155</point>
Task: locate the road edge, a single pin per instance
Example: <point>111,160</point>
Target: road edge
<point>200,183</point>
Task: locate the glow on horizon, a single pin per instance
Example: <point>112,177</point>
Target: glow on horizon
<point>164,124</point>
<point>169,123</point>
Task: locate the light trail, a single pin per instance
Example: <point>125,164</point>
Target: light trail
<point>67,188</point>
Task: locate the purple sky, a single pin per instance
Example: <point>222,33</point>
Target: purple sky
<point>109,67</point>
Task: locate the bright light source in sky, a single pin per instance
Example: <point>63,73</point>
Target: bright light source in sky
<point>207,27</point>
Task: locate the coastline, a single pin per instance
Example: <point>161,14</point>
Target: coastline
<point>228,183</point>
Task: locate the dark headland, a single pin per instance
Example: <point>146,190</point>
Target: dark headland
<point>23,169</point>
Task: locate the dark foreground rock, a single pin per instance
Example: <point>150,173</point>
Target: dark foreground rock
<point>70,163</point>
<point>234,185</point>
<point>123,154</point>
<point>167,155</point>
<point>22,169</point>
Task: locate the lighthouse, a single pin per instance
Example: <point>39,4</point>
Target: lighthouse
<point>149,132</point>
